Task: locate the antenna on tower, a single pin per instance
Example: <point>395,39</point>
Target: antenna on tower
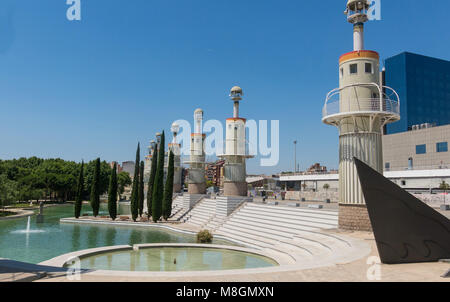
<point>356,12</point>
<point>175,129</point>
<point>236,95</point>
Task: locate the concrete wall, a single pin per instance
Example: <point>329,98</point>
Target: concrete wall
<point>399,147</point>
<point>312,196</point>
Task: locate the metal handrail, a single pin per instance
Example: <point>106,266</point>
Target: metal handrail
<point>382,104</point>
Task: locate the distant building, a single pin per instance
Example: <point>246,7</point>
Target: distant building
<point>422,149</point>
<point>128,166</point>
<point>214,172</point>
<point>263,182</point>
<point>118,167</point>
<point>423,85</point>
<point>317,168</point>
<point>412,180</point>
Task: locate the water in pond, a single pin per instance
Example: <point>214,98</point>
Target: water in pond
<point>175,259</point>
<point>25,240</point>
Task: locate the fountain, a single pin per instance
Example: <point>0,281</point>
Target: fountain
<point>28,230</point>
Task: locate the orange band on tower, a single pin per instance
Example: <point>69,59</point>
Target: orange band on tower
<point>236,119</point>
<point>359,54</point>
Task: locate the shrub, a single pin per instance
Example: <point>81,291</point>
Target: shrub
<point>204,236</point>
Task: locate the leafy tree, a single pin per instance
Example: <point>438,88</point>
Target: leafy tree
<point>168,190</point>
<point>135,189</point>
<point>8,188</point>
<point>79,198</point>
<point>36,178</point>
<point>112,194</point>
<point>158,186</point>
<point>95,189</point>
<point>151,182</point>
<point>444,186</point>
<point>123,179</point>
<point>104,176</point>
<point>141,189</point>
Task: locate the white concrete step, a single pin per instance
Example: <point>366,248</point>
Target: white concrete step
<point>333,242</point>
<point>292,216</point>
<point>292,212</point>
<point>278,244</point>
<point>291,209</point>
<point>199,219</point>
<point>199,214</point>
<point>296,225</point>
<point>269,248</point>
<point>203,210</point>
<point>266,225</point>
<point>258,231</point>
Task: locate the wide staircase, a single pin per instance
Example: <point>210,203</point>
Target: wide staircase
<point>177,208</point>
<point>202,214</point>
<point>297,232</point>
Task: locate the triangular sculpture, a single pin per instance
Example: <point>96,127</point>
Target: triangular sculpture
<point>406,230</point>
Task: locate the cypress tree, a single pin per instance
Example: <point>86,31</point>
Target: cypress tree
<point>151,181</point>
<point>79,198</point>
<point>158,186</point>
<point>95,189</point>
<point>141,189</point>
<point>112,194</point>
<point>135,189</point>
<point>168,189</point>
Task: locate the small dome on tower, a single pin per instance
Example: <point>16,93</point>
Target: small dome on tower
<point>198,110</point>
<point>357,4</point>
<point>236,89</point>
<point>236,93</point>
<point>175,128</point>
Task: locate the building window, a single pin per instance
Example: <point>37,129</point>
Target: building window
<point>387,166</point>
<point>403,182</point>
<point>369,68</point>
<point>353,68</point>
<point>442,147</point>
<point>421,149</point>
<point>341,73</point>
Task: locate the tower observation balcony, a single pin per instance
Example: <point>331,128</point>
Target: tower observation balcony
<point>347,102</point>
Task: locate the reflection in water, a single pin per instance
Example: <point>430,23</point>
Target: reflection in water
<point>110,237</point>
<point>187,259</point>
<point>76,237</point>
<point>135,237</point>
<point>92,236</point>
<point>57,238</point>
<point>169,259</point>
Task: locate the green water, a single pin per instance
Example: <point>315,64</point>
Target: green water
<point>175,259</point>
<point>51,238</point>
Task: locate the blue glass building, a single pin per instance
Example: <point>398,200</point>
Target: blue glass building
<point>423,85</point>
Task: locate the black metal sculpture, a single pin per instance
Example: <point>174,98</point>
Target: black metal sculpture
<point>406,230</point>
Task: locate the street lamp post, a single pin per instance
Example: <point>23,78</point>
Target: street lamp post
<point>295,156</point>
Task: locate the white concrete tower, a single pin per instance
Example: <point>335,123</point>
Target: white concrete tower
<point>359,108</point>
<point>196,177</point>
<point>235,151</point>
<point>148,161</point>
<point>175,147</point>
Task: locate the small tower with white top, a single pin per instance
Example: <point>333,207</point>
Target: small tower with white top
<point>196,176</point>
<point>359,108</point>
<point>235,150</point>
<point>175,148</point>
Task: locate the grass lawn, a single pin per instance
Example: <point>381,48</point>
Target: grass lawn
<point>23,205</point>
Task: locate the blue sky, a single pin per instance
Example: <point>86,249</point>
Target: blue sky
<point>78,90</point>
